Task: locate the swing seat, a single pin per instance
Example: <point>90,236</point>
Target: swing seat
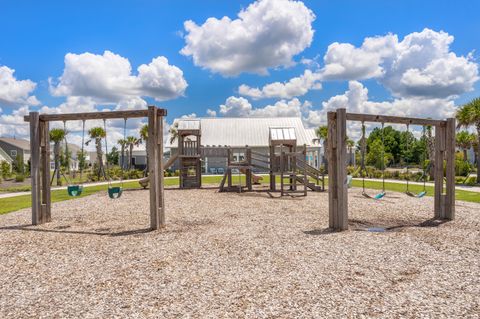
<point>379,195</point>
<point>74,190</point>
<point>421,194</point>
<point>115,192</point>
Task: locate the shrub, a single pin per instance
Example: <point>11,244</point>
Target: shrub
<point>19,178</point>
<point>5,169</point>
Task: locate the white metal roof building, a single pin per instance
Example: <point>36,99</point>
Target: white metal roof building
<point>238,132</point>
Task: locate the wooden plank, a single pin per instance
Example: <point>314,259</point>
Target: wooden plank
<point>160,187</point>
<point>153,166</point>
<point>35,167</point>
<point>332,181</point>
<point>45,171</point>
<point>438,171</point>
<point>341,170</point>
<point>393,119</point>
<point>449,210</point>
<point>97,115</point>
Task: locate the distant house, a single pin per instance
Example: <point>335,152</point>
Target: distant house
<point>5,157</point>
<point>236,133</point>
<point>16,147</point>
<point>73,150</point>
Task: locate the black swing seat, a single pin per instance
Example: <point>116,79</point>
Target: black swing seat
<point>74,190</point>
<point>115,192</point>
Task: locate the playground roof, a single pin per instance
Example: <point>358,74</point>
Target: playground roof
<point>238,132</point>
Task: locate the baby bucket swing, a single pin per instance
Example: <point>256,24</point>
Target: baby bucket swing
<point>114,192</point>
<point>74,190</point>
<point>363,169</point>
<point>424,169</point>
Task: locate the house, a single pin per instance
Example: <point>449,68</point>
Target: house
<point>236,133</point>
<point>5,157</point>
<point>73,150</point>
<point>16,147</point>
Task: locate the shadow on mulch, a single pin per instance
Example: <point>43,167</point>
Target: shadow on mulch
<point>64,229</point>
<point>361,225</point>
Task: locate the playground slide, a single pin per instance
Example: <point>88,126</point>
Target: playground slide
<point>144,181</point>
<point>256,178</point>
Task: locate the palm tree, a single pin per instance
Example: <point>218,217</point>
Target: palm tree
<point>350,146</point>
<point>469,115</point>
<point>322,133</point>
<point>465,141</point>
<point>131,142</point>
<point>123,144</point>
<point>173,132</point>
<point>57,135</point>
<point>97,134</point>
<point>144,137</point>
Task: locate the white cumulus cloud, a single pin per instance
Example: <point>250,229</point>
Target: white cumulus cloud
<point>15,92</point>
<point>296,86</point>
<point>267,34</point>
<point>420,66</point>
<point>241,107</point>
<point>108,78</point>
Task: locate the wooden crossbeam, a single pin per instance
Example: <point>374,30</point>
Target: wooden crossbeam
<point>96,115</point>
<point>393,119</point>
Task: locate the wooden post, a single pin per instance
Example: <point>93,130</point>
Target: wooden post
<point>160,187</point>
<point>199,161</point>
<point>35,167</point>
<point>248,171</point>
<point>337,177</point>
<point>439,199</point>
<point>153,153</point>
<point>272,168</point>
<point>45,171</point>
<point>449,207</point>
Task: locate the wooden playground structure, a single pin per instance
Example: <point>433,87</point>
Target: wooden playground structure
<point>284,161</point>
<point>40,158</point>
<point>444,207</point>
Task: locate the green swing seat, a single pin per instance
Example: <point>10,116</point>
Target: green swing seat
<point>115,192</point>
<point>74,190</point>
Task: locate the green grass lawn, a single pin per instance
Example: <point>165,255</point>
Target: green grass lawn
<point>15,203</point>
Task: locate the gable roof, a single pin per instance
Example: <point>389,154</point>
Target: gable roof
<point>19,143</point>
<point>241,131</point>
<point>4,156</point>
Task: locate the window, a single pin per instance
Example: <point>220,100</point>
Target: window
<point>13,153</point>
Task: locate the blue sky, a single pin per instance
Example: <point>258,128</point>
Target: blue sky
<point>37,35</point>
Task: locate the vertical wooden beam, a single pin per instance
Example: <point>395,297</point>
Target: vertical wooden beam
<point>35,167</point>
<point>154,167</point>
<point>248,172</point>
<point>438,169</point>
<point>160,181</point>
<point>449,210</point>
<point>199,161</point>
<point>342,169</point>
<point>332,176</point>
<point>272,168</point>
<point>45,171</point>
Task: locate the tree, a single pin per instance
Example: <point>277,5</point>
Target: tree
<point>131,142</point>
<point>97,134</point>
<point>123,144</point>
<point>82,160</point>
<point>113,156</point>
<point>144,137</point>
<point>322,134</point>
<point>57,135</point>
<point>464,141</point>
<point>173,132</point>
<point>469,115</point>
<point>350,146</point>
<point>374,156</point>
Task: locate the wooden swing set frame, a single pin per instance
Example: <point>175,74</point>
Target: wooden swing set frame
<point>40,158</point>
<point>444,207</point>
